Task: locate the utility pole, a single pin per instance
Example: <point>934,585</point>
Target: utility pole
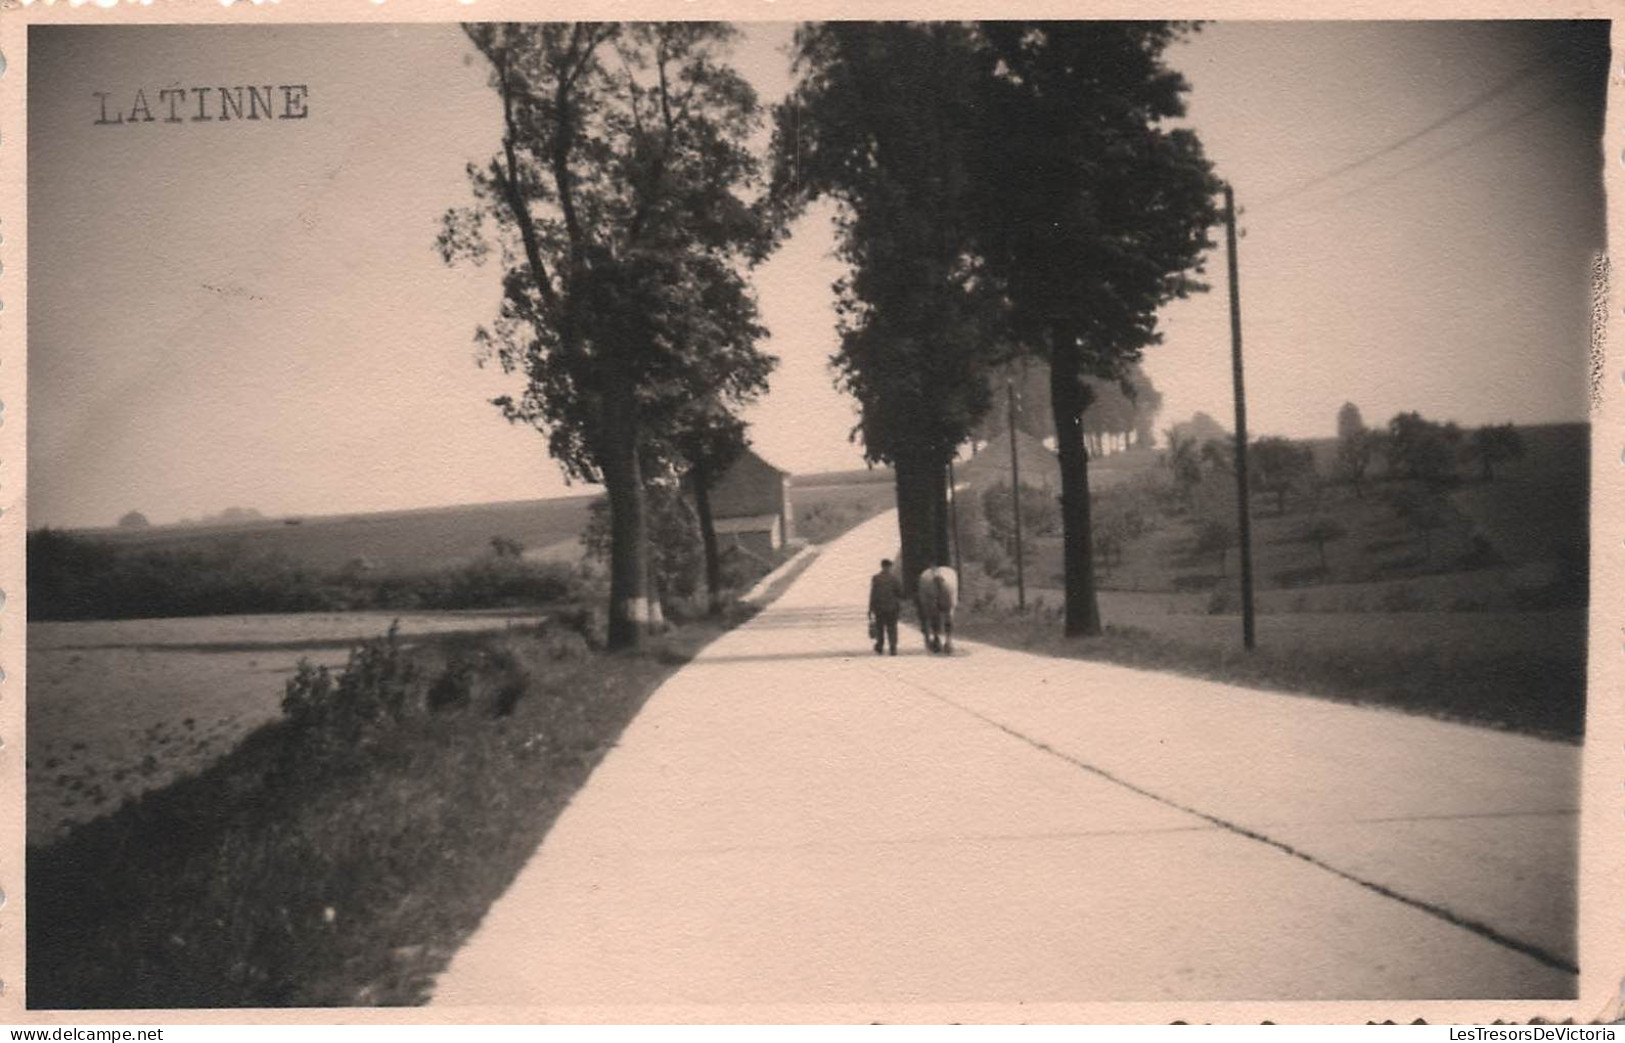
<point>1015,500</point>
<point>1248,636</point>
<point>953,518</point>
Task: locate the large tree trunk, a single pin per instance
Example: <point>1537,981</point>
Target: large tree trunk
<point>629,609</point>
<point>916,524</point>
<point>700,477</point>
<point>1067,401</point>
<point>941,539</point>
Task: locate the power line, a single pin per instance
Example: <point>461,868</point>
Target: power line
<point>1490,131</point>
<point>1475,102</point>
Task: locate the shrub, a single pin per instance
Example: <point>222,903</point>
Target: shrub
<point>1321,531</point>
<point>1040,513</point>
<point>374,690</point>
<point>1215,537</point>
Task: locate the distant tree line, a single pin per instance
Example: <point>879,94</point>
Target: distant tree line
<point>76,578</point>
<point>1011,200</point>
<point>1424,457</point>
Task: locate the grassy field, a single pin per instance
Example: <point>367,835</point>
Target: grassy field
<point>118,708</point>
<point>825,511</point>
<point>826,503</point>
<point>1533,517</point>
<point>1480,619</point>
<point>391,541</point>
<point>1523,671</point>
<point>338,858</point>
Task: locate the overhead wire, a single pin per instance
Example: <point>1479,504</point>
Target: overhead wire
<point>1477,101</point>
<point>1484,133</point>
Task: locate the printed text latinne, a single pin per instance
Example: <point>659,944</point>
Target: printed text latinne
<point>285,101</point>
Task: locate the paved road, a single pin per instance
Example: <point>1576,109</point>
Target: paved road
<point>794,820</point>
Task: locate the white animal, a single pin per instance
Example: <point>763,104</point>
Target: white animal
<point>935,597</point>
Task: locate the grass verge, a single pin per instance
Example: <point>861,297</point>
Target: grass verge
<point>1539,693</point>
<point>341,855</point>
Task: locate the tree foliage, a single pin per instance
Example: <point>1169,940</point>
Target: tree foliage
<point>1092,213</point>
<point>1494,444</point>
<point>1422,449</point>
<point>622,204</point>
<point>883,119</point>
<point>1279,466</point>
<point>1200,428</point>
<point>1357,450</point>
<point>1349,421</point>
<point>1321,530</point>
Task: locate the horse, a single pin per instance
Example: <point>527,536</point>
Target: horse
<point>935,597</point>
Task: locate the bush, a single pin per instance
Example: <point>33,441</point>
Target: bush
<point>375,689</point>
<point>1040,513</point>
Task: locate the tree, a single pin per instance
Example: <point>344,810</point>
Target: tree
<point>1147,405</point>
<point>1219,455</point>
<point>881,120</point>
<point>710,439</point>
<point>1280,465</point>
<point>619,206</point>
<point>1349,421</point>
<point>1118,410</point>
<point>1495,444</point>
<point>675,553</point>
<point>1422,449</point>
<point>1215,536</point>
<point>1201,429</point>
<point>1091,213</point>
<point>134,520</point>
<point>1356,451</point>
<point>1184,461</point>
<point>1420,511</point>
<point>1320,531</point>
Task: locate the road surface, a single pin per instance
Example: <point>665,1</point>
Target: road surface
<point>794,820</point>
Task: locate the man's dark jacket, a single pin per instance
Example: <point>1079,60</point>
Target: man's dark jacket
<point>885,594</point>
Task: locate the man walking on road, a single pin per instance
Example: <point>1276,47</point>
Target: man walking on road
<point>885,604</point>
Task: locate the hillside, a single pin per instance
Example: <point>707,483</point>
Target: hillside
<point>389,540</point>
<point>1526,528</point>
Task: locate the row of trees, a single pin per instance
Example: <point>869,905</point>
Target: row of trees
<point>1414,447</point>
<point>1121,415</point>
<point>1005,191</point>
<point>1410,447</point>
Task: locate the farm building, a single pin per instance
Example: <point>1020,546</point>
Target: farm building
<point>750,504</point>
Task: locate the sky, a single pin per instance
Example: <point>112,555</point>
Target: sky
<point>254,315</point>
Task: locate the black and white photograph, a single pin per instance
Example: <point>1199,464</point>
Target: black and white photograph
<point>815,521</point>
